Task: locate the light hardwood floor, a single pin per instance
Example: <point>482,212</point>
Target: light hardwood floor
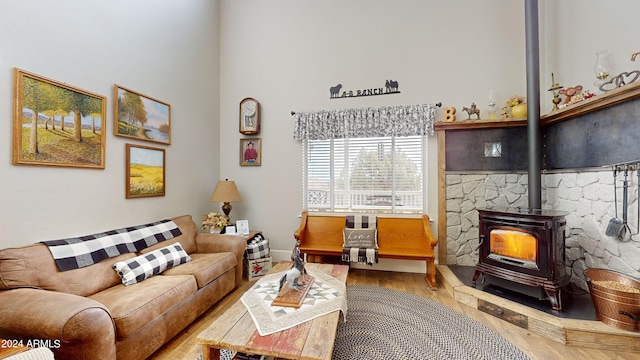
<point>184,345</point>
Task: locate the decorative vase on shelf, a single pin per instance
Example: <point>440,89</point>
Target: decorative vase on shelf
<point>213,230</point>
<point>519,111</point>
<point>601,69</point>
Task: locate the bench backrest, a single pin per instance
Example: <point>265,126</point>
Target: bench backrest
<point>396,233</point>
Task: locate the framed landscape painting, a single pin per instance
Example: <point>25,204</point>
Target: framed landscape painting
<point>141,117</point>
<point>145,171</point>
<point>56,124</point>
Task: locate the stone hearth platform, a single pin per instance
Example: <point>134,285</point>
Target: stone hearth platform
<point>565,330</point>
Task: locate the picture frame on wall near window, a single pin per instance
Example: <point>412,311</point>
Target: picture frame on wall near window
<point>141,117</point>
<point>56,124</point>
<point>251,152</point>
<point>145,171</point>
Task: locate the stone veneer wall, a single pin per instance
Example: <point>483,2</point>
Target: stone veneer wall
<point>587,196</point>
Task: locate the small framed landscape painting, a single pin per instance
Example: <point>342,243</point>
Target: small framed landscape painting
<point>141,117</point>
<point>145,171</point>
<point>56,124</point>
<point>251,152</point>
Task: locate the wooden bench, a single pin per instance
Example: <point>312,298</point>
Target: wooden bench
<point>399,237</point>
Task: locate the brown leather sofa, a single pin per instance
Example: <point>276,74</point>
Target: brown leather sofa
<point>87,313</point>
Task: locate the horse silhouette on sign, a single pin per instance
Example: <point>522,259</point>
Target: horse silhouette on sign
<point>391,86</point>
<point>335,90</point>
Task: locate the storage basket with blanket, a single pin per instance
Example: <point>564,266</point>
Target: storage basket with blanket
<point>257,256</point>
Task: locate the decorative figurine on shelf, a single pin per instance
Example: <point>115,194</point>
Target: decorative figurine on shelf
<point>505,113</point>
<point>555,87</point>
<point>296,270</point>
<point>492,112</point>
<point>472,110</point>
<point>449,114</point>
<point>572,94</point>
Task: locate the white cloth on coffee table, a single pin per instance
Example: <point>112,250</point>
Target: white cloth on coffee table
<point>327,294</point>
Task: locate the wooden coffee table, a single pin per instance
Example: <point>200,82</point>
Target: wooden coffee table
<point>235,330</point>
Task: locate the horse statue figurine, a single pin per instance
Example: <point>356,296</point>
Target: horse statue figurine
<point>292,275</point>
<point>472,110</point>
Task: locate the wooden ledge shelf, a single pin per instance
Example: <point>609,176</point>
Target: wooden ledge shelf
<point>598,102</point>
<point>610,98</point>
<point>479,124</point>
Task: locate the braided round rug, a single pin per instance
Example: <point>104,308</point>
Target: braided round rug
<point>390,324</point>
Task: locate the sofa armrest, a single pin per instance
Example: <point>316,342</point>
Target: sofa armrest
<point>212,243</point>
<point>76,326</point>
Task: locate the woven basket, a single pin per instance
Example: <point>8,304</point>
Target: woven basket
<point>615,307</point>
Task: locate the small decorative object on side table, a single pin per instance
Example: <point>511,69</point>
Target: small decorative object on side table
<point>214,222</point>
<point>242,227</point>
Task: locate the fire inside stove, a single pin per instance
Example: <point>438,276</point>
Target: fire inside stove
<point>514,247</point>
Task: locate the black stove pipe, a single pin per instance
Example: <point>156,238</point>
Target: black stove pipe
<point>533,104</point>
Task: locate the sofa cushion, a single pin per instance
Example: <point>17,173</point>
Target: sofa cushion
<point>146,265</point>
<point>133,307</point>
<point>189,231</point>
<point>205,267</point>
<point>33,266</point>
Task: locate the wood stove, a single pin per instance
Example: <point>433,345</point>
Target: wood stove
<point>523,250</point>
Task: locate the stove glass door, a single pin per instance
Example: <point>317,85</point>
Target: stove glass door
<point>514,247</point>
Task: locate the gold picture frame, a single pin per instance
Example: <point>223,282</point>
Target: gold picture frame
<point>145,171</point>
<point>140,117</point>
<point>251,152</point>
<point>55,124</point>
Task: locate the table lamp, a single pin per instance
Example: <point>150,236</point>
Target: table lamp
<point>226,192</point>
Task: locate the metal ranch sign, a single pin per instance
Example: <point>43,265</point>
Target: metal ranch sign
<point>390,87</point>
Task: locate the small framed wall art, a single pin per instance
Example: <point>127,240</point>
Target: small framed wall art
<point>251,152</point>
<point>56,124</point>
<point>141,117</point>
<point>249,116</point>
<point>145,171</point>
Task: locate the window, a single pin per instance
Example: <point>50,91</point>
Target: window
<point>380,174</point>
<point>366,159</point>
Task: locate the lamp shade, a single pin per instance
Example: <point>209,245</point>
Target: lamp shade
<point>226,191</point>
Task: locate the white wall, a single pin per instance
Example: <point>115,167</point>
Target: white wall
<point>576,29</point>
<point>165,49</point>
<point>288,53</point>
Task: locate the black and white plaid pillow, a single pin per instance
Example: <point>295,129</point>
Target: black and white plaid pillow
<point>142,267</point>
<point>257,248</point>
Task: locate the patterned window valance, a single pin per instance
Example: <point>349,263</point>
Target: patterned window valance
<point>365,122</point>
